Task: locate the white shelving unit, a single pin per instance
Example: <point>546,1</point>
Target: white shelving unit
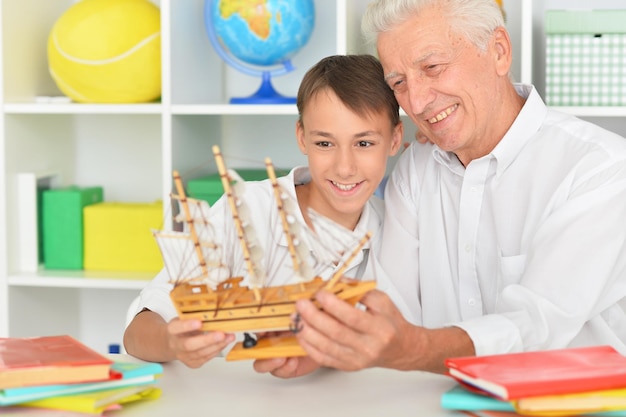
<point>612,118</point>
<point>131,150</point>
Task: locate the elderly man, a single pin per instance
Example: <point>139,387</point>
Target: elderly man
<point>504,233</point>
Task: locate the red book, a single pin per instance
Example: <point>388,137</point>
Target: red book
<point>550,372</point>
<point>49,360</point>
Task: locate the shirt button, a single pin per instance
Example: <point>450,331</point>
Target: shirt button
<point>468,247</point>
<point>471,302</point>
<point>473,189</point>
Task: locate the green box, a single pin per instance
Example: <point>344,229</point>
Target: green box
<point>210,188</point>
<point>63,225</point>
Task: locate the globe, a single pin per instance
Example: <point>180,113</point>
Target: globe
<point>259,38</point>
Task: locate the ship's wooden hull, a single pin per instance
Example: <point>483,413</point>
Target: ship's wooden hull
<point>234,308</point>
<point>267,348</point>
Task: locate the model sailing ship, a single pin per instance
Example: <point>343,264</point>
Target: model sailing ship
<point>204,290</point>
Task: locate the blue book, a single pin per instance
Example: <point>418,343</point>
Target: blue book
<point>128,373</point>
<point>459,398</point>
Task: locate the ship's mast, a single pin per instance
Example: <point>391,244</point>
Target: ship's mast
<point>295,259</point>
<point>221,169</point>
<point>339,273</point>
<point>182,197</point>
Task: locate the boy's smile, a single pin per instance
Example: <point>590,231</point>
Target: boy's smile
<point>344,187</point>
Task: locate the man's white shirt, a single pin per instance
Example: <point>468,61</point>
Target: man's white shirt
<point>525,248</point>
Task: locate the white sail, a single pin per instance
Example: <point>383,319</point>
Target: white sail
<point>256,252</point>
<point>199,210</point>
<point>302,271</point>
<point>181,261</point>
<point>331,241</point>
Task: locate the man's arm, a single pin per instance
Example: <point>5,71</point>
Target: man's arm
<point>350,339</point>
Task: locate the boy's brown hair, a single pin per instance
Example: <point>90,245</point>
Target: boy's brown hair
<point>358,81</point>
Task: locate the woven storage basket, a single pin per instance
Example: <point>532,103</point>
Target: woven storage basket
<point>586,58</point>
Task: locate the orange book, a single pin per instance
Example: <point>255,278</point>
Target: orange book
<point>49,360</point>
<point>568,404</point>
<point>549,372</point>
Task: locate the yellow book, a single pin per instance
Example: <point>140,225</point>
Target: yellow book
<point>96,402</point>
<point>572,404</point>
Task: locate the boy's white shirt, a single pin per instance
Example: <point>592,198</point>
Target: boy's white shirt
<point>260,200</point>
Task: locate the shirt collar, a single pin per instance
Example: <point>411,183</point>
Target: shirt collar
<point>368,221</point>
<point>299,176</point>
<point>448,159</point>
<point>525,125</point>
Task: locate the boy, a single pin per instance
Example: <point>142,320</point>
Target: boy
<point>349,125</point>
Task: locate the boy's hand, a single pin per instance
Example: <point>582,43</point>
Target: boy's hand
<point>192,346</point>
<point>286,367</point>
<point>421,138</point>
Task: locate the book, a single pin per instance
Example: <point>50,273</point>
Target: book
<point>459,398</point>
<point>567,404</point>
<point>96,402</point>
<point>494,413</point>
<point>123,374</point>
<point>49,360</point>
<point>17,411</point>
<point>28,252</point>
<point>462,398</point>
<point>548,372</point>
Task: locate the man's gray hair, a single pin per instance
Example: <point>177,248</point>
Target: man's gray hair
<point>474,19</point>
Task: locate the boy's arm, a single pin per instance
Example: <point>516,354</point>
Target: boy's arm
<point>146,338</point>
<point>149,337</point>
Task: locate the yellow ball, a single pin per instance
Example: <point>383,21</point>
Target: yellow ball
<point>107,51</point>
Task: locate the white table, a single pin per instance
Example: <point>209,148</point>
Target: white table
<point>234,389</point>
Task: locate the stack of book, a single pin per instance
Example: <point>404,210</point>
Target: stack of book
<point>562,382</point>
<point>61,373</point>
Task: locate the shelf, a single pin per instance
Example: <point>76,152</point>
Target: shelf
<point>588,111</point>
<point>79,108</point>
<point>236,109</point>
<point>82,279</point>
<point>152,108</point>
<point>130,149</point>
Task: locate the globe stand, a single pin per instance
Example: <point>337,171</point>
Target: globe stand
<point>266,94</point>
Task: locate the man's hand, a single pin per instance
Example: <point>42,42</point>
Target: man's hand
<point>346,338</point>
<point>350,339</point>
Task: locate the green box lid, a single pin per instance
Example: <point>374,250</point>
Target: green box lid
<point>74,194</point>
<point>585,21</point>
<point>212,184</point>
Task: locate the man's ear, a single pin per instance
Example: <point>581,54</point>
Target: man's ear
<point>503,50</point>
<point>396,139</point>
<point>300,137</point>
